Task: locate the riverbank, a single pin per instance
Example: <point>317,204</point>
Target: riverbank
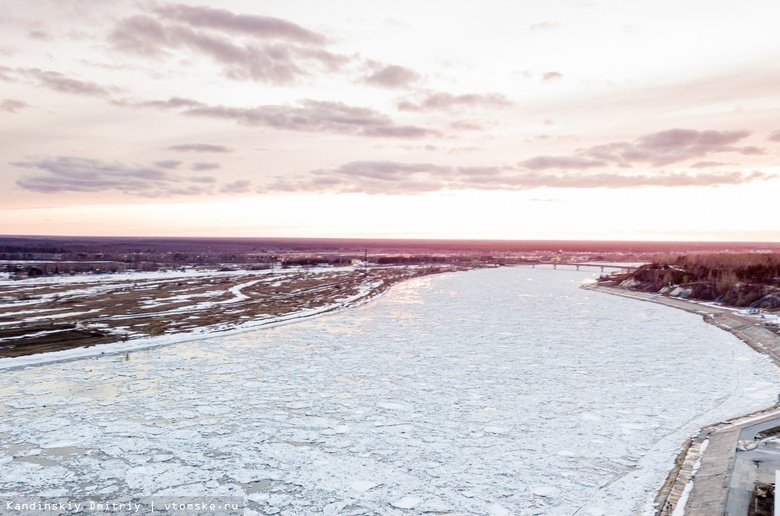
<point>699,483</point>
<point>112,314</point>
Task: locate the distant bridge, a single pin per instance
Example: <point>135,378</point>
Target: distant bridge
<point>602,266</point>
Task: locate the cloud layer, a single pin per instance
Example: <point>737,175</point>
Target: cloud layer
<point>443,101</point>
<point>655,149</point>
<point>201,166</point>
<point>262,27</point>
<point>245,47</point>
<point>59,82</point>
<point>240,186</point>
<point>74,174</point>
<point>390,177</point>
<point>12,105</point>
<point>392,76</point>
<point>199,147</point>
<point>309,115</point>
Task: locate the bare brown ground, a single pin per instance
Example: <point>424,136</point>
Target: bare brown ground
<point>47,315</point>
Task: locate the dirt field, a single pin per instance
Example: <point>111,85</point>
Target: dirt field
<point>54,313</point>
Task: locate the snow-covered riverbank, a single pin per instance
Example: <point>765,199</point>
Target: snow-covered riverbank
<point>365,294</point>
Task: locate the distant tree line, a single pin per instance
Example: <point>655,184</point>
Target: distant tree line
<point>738,279</point>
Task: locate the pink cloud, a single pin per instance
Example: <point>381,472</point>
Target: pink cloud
<point>262,27</point>
<point>308,115</point>
<point>560,162</point>
<point>443,101</point>
<point>200,147</point>
<point>397,178</point>
<point>392,76</point>
<point>12,105</point>
<point>247,47</point>
<point>670,146</point>
<point>73,174</point>
<point>57,81</point>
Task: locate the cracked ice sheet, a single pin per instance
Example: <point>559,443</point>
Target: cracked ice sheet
<point>479,392</point>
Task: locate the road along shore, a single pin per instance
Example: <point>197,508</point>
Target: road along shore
<point>699,482</point>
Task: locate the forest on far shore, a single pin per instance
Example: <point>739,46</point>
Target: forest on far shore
<point>734,279</point>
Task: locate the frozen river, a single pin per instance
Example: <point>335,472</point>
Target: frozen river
<point>506,391</point>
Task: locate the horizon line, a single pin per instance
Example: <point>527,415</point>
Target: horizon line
<point>385,238</point>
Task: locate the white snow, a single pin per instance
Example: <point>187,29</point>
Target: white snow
<point>362,485</point>
<point>679,509</point>
<point>545,491</point>
<point>407,502</point>
<point>472,393</point>
<point>498,510</point>
<point>391,406</point>
<point>495,430</point>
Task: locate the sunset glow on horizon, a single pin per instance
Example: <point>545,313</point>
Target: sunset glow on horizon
<point>598,120</point>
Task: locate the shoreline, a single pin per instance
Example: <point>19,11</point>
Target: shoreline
<point>707,496</point>
<point>151,342</point>
<point>370,292</point>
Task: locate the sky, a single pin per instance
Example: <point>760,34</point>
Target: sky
<point>555,119</point>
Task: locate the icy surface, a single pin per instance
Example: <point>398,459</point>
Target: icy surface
<point>506,391</point>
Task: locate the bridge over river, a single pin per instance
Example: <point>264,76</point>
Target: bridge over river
<point>624,267</point>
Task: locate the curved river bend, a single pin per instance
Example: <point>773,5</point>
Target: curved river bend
<point>505,391</point>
